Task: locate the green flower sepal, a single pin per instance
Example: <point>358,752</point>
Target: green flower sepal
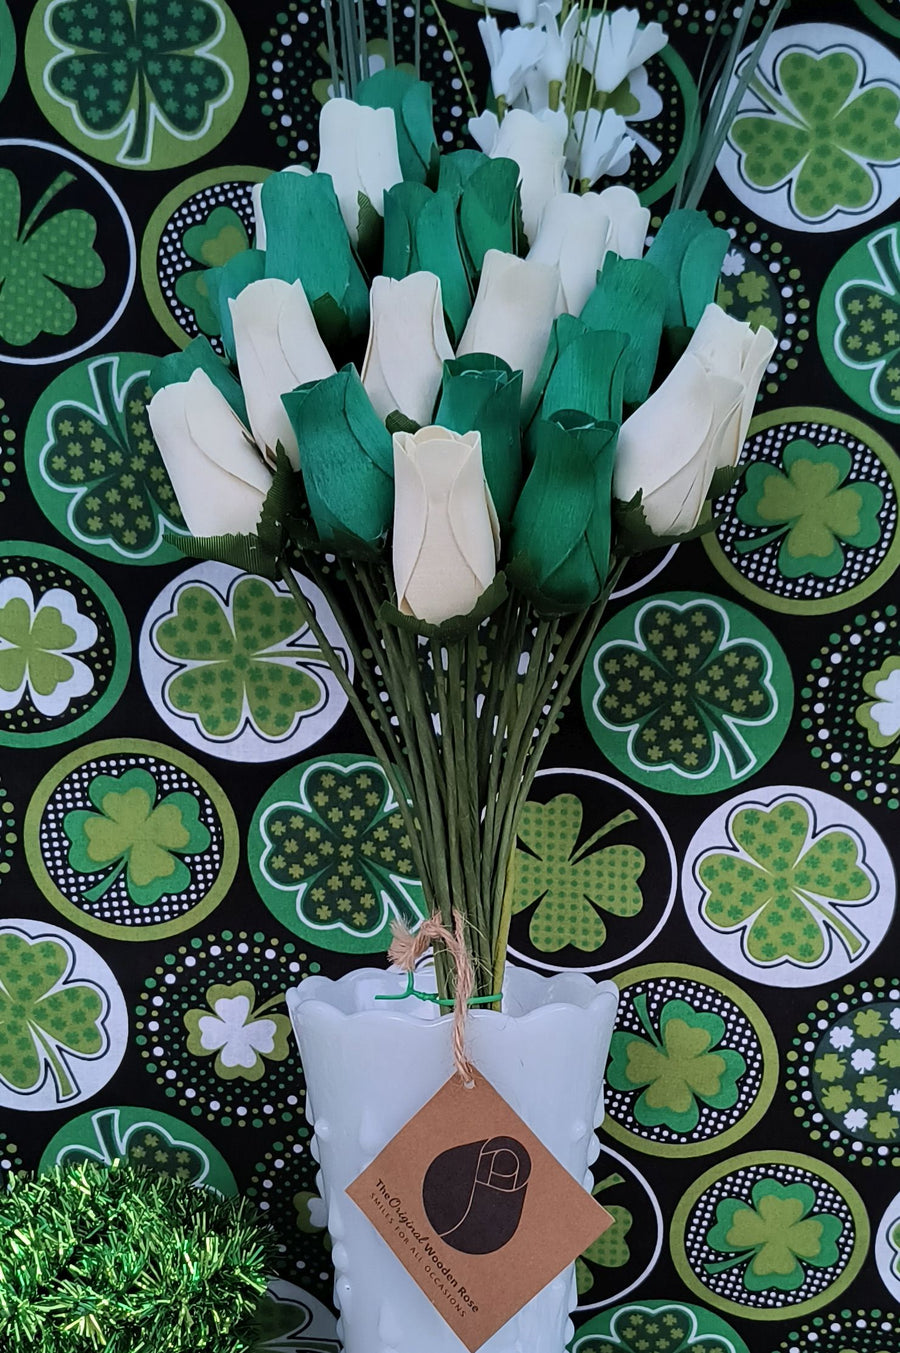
<point>346,462</point>
<point>281,524</point>
<point>562,525</point>
<point>482,393</point>
<point>457,626</point>
<point>634,536</point>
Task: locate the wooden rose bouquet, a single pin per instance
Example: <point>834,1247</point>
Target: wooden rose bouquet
<point>459,395</point>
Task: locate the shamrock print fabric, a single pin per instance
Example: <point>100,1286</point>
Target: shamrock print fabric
<point>191,820</point>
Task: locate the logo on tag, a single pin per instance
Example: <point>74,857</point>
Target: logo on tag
<point>476,1208</point>
<point>473,1194</point>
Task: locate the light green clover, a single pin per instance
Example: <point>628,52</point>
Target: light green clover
<point>824,130</point>
<point>784,887</point>
<point>136,831</point>
<point>240,660</point>
<point>675,1067</point>
<point>775,1238</point>
<point>572,885</point>
<point>38,643</point>
<point>880,716</point>
<point>210,244</point>
<point>240,1033</point>
<point>43,1015</point>
<point>813,510</point>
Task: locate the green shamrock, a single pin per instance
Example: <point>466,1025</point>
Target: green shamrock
<point>132,63</point>
<point>823,133</point>
<point>240,655</point>
<point>653,1327</point>
<point>278,1327</point>
<point>144,1144</point>
<point>343,851</point>
<point>36,261</point>
<point>571,887</point>
<point>211,244</point>
<point>880,716</point>
<point>750,295</point>
<point>811,512</point>
<point>134,831</point>
<point>609,1250</point>
<point>38,643</point>
<point>677,1066</point>
<point>775,1237</point>
<point>43,1015</point>
<point>240,1033</point>
<point>104,456</point>
<point>785,887</point>
<point>868,311</point>
<point>685,689</point>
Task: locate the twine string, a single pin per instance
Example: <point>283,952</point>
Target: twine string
<point>405,953</point>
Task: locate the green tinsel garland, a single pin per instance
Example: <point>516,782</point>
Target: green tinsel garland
<point>128,1261</point>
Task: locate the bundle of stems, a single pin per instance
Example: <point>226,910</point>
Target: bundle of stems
<point>459,727</point>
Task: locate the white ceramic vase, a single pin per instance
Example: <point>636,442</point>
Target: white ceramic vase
<point>370,1065</point>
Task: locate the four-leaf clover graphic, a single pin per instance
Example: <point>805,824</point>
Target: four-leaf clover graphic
<point>241,1034</point>
<point>38,643</point>
<point>44,1015</point>
<point>36,261</point>
<point>572,886</point>
<point>823,129</point>
<point>241,662</point>
<point>684,689</point>
<point>775,1237</point>
<point>127,65</point>
<point>100,454</point>
<point>880,716</point>
<point>340,850</point>
<point>784,886</point>
<point>812,514</point>
<point>135,830</point>
<point>676,1066</point>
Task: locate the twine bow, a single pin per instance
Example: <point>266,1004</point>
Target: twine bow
<point>405,953</point>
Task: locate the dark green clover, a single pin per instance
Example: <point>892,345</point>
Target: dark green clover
<point>128,65</point>
<point>146,1144</point>
<point>107,459</point>
<point>343,849</point>
<point>685,689</point>
<point>869,334</point>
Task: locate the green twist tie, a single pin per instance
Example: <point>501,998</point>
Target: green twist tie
<point>433,996</point>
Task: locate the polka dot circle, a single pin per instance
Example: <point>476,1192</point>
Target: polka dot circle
<point>193,978</point>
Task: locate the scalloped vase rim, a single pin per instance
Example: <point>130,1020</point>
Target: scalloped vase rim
<point>312,992</point>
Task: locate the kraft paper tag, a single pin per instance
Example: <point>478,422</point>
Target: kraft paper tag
<point>476,1209</point>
